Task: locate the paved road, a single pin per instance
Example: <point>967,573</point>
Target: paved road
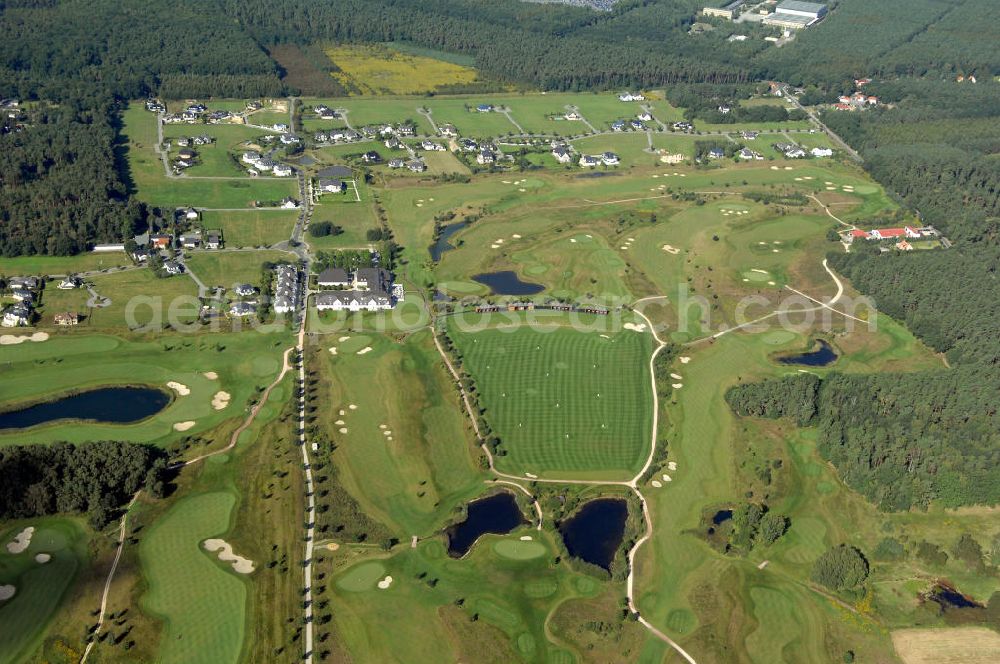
<point>837,140</point>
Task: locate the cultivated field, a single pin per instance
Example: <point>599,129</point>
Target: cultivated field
<point>376,69</point>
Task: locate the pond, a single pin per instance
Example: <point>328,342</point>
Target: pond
<point>497,514</point>
<point>114,405</point>
<point>507,283</point>
<point>441,245</point>
<point>950,598</point>
<point>595,532</point>
<point>722,516</point>
<point>820,357</point>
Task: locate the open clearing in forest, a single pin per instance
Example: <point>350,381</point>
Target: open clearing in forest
<point>563,400</point>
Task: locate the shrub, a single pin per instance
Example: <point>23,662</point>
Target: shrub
<point>841,568</point>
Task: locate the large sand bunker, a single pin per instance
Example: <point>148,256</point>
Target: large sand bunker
<point>184,426</point>
<point>21,541</point>
<point>635,327</point>
<point>180,388</point>
<point>220,400</point>
<point>11,339</point>
<point>226,555</point>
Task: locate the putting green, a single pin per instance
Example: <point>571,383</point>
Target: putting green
<point>362,577</point>
<point>519,550</point>
<point>751,275</point>
<point>354,344</point>
<point>461,287</point>
<point>777,337</point>
<point>203,605</point>
<point>865,189</point>
<point>40,587</point>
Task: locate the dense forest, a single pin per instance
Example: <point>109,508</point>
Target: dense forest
<point>63,478</point>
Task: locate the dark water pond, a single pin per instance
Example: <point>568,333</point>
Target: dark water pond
<point>117,405</point>
<point>595,532</point>
<point>507,283</point>
<point>722,516</point>
<point>441,245</point>
<point>949,598</point>
<point>498,514</point>
<point>820,357</point>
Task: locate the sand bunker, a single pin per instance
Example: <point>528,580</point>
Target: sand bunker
<point>343,339</point>
<point>353,407</point>
<point>759,271</point>
<point>531,475</point>
<point>240,564</point>
<point>667,478</point>
<point>184,426</point>
<point>671,250</point>
<point>333,350</point>
<point>494,246</point>
<point>672,465</point>
<point>385,583</point>
<point>211,375</point>
<point>21,541</point>
<point>675,376</point>
<point>525,538</point>
<point>221,400</point>
<point>6,592</point>
<point>635,327</point>
<point>684,360</point>
<point>677,386</point>
<point>656,484</point>
<point>332,546</point>
<point>42,558</point>
<point>516,236</point>
<point>11,339</point>
<point>366,349</point>
<point>342,429</point>
<point>339,422</point>
<point>179,388</point>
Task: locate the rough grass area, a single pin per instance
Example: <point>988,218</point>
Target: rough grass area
<point>563,400</point>
<point>372,69</point>
<point>968,645</point>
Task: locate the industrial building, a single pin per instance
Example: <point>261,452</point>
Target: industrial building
<point>795,15</point>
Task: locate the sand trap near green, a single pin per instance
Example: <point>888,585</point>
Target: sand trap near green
<point>519,549</point>
<point>362,577</point>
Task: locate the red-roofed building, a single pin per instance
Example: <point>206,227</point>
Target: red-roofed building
<point>887,233</point>
<point>857,234</point>
<point>911,232</point>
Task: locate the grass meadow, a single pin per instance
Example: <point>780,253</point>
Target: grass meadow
<point>374,69</point>
<point>562,400</point>
<point>251,228</point>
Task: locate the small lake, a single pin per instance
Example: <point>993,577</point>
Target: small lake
<point>498,514</point>
<point>115,405</point>
<point>595,532</point>
<point>722,516</point>
<point>507,283</point>
<point>441,245</point>
<point>820,357</point>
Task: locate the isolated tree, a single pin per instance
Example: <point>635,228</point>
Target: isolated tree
<point>841,568</point>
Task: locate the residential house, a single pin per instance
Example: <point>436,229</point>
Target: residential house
<point>748,154</point>
<point>573,116</point>
<point>69,283</point>
<point>213,240</point>
<point>173,267</point>
<point>282,170</point>
<point>251,157</point>
<point>186,154</point>
<point>23,283</point>
<point>431,146</point>
<point>289,139</point>
<point>637,124</point>
<point>406,130</point>
<point>371,157</point>
<point>631,96</point>
<point>279,127</point>
<point>589,161</point>
<point>191,214</point>
<point>182,141</point>
<point>140,254</point>
<point>562,154</point>
<point>821,152</point>
<point>25,297</point>
<point>449,130</point>
<point>16,316</point>
<point>191,240</point>
<point>160,241</point>
<point>289,203</point>
<point>393,143</point>
<point>66,318</point>
<point>245,290</point>
<point>645,117</point>
<point>352,301</point>
<point>725,110</point>
<point>903,245</point>
<point>683,126</point>
<point>397,163</point>
<point>468,145</point>
<point>264,164</point>
<point>242,309</point>
<point>749,135</point>
<point>485,157</point>
<point>618,125</point>
<point>484,108</point>
<point>716,153</point>
<point>332,186</point>
<point>609,159</point>
<point>416,165</point>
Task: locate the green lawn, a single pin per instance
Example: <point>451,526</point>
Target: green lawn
<point>563,400</point>
<point>40,587</point>
<point>201,601</point>
<point>233,267</point>
<point>26,265</point>
<point>251,228</point>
